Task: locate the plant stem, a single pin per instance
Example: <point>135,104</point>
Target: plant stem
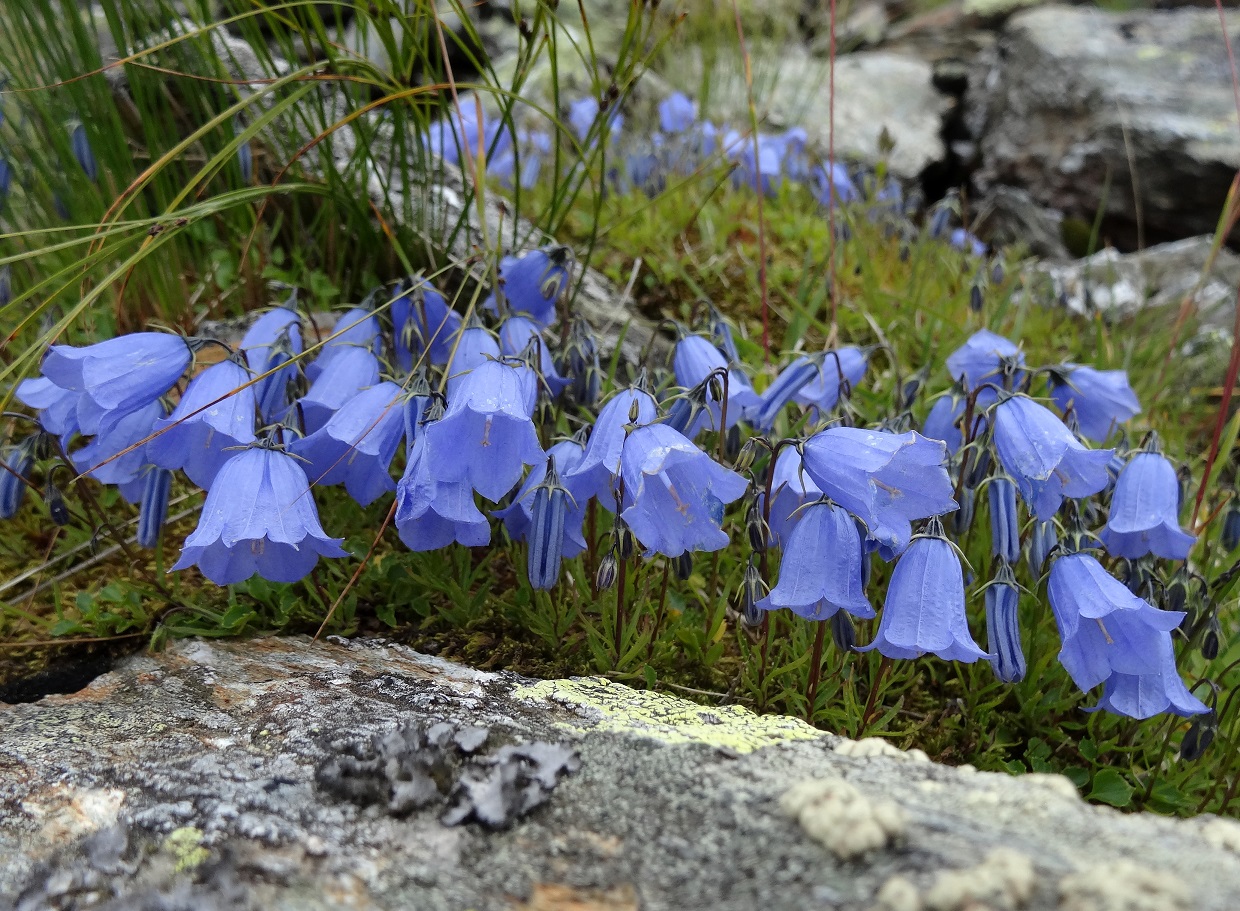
<point>815,671</point>
<point>873,697</point>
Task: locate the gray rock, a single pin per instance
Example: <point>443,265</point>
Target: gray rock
<point>1007,216</point>
<point>187,779</point>
<point>1074,99</point>
<point>1119,284</point>
<point>874,91</point>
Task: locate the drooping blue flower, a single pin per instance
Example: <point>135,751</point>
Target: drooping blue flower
<point>1043,456</point>
<point>791,488</point>
<point>486,437</point>
<point>924,609</point>
<point>579,360</point>
<point>421,316</point>
<point>117,454</point>
<point>532,283</point>
<point>821,569</point>
<point>693,360</point>
<point>57,407</point>
<point>216,413</point>
<point>531,147</point>
<point>1145,509</point>
<point>347,374</point>
<point>967,241</point>
<point>431,513</point>
<point>887,480</point>
<point>356,328</point>
<point>119,375</point>
<point>1007,654</point>
<point>15,478</point>
<point>674,494</point>
<point>823,393</point>
<point>584,112</point>
<point>259,517</point>
<point>568,455</point>
<point>515,335</point>
<point>776,397</point>
<point>85,155</point>
<point>1100,399</point>
<point>982,360</point>
<point>273,340</point>
<point>459,137</point>
<point>941,422</point>
<point>474,347</point>
<point>677,113</point>
<point>1004,519</point>
<point>153,507</point>
<point>355,447</point>
<point>833,179</point>
<point>600,462</point>
<point>722,336</point>
<point>1106,631</point>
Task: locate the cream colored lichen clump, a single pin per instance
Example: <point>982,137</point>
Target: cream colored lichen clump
<point>841,818</point>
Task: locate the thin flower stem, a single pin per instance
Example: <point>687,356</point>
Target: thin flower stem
<point>831,295</point>
<point>815,670</point>
<point>621,581</point>
<point>883,667</point>
<point>658,618</point>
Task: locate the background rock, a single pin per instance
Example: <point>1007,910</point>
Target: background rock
<point>1132,111</point>
<point>187,780</point>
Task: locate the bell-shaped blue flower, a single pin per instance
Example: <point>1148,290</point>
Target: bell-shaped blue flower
<point>153,507</point>
<point>965,240</point>
<point>1145,509</point>
<point>271,343</point>
<point>1004,519</point>
<point>355,447</point>
<point>821,569</point>
<point>486,437</point>
<point>941,423</point>
<point>476,346</point>
<point>585,111</point>
<point>823,392</point>
<point>259,517</point>
<point>674,493</point>
<point>982,360</point>
<point>677,113</point>
<point>887,480</point>
<point>1100,399</point>
<point>532,283</point>
<point>119,375</point>
<point>1106,630</point>
<point>791,488</point>
<point>693,360</point>
<point>422,317</point>
<point>117,454</point>
<point>515,335</point>
<point>356,328</point>
<point>833,180</point>
<point>215,414</point>
<point>776,396</point>
<point>924,609</point>
<point>517,517</point>
<point>600,462</point>
<point>1007,654</point>
<point>57,407</point>
<point>347,374</point>
<point>431,513</point>
<point>1044,457</point>
<point>1145,695</point>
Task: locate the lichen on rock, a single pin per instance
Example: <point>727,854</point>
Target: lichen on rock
<point>837,815</point>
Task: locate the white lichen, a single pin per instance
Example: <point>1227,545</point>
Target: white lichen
<point>1123,886</point>
<point>1003,881</point>
<point>841,818</point>
<point>876,746</point>
<point>898,894</point>
<point>1223,834</point>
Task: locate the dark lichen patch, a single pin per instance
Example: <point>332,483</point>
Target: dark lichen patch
<point>414,767</point>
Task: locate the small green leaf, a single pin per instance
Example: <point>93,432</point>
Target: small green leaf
<point>651,677</point>
<point>1078,776</point>
<point>386,612</point>
<point>1088,749</point>
<point>1112,788</point>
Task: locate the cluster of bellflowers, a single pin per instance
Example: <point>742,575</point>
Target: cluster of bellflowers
<point>499,417</point>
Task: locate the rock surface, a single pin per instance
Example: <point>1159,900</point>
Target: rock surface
<point>195,779</point>
<point>1131,111</point>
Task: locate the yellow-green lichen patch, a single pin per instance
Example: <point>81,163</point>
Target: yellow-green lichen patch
<point>615,708</point>
<point>185,844</point>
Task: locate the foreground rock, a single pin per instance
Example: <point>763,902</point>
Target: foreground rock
<point>286,774</point>
<point>1133,112</point>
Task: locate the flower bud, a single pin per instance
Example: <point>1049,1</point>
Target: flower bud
<point>1231,524</point>
<point>14,479</point>
<point>1213,635</point>
<point>962,518</point>
<point>975,298</point>
<point>843,633</point>
<point>752,591</point>
<point>1042,540</point>
<point>683,565</point>
<point>980,468</point>
<point>1199,736</point>
<point>756,527</point>
<point>153,508</point>
<point>546,532</point>
<point>56,506</point>
<point>1003,627</point>
<point>1004,519</point>
<point>605,578</point>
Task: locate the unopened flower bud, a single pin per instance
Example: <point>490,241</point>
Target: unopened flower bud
<point>153,508</point>
<point>1213,636</point>
<point>843,633</point>
<point>752,591</point>
<point>57,509</point>
<point>1003,627</point>
<point>1199,736</point>
<point>605,578</point>
<point>684,566</point>
<point>1004,519</point>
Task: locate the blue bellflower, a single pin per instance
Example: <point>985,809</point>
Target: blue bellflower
<point>355,447</point>
<point>1106,631</point>
<point>980,361</point>
<point>421,317</point>
<point>693,361</point>
<point>821,569</point>
<point>79,142</point>
<point>1007,654</point>
<point>431,513</point>
<point>57,408</point>
<point>216,413</point>
<point>1044,458</point>
<point>677,113</point>
<point>271,343</point>
<point>924,609</point>
<point>823,392</point>
<point>117,454</point>
<point>356,328</point>
<point>515,335</point>
<point>775,397</point>
<point>14,478</point>
<point>674,493</point>
<point>259,517</point>
<point>1004,519</point>
<point>941,423</point>
<point>153,507</point>
<point>1145,507</point>
<point>791,488</point>
<point>532,283</point>
<point>1043,538</point>
<point>1100,399</point>
<point>600,462</point>
<point>887,480</point>
<point>833,180</point>
<point>474,347</point>
<point>347,374</point>
<point>119,375</point>
<point>486,437</point>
